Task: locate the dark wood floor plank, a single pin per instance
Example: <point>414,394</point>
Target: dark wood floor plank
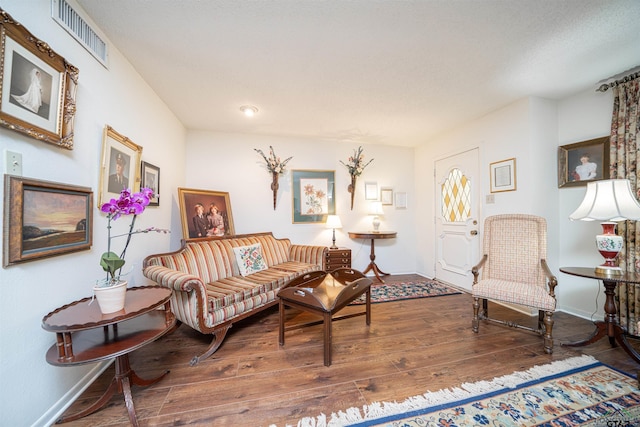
<point>411,347</point>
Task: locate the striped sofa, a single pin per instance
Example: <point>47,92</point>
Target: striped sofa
<point>210,294</point>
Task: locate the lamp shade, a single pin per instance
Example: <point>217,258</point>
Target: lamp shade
<point>333,221</point>
<point>608,200</point>
<point>376,208</point>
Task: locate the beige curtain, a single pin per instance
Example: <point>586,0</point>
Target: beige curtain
<point>625,127</point>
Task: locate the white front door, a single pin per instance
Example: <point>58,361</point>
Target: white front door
<point>457,195</point>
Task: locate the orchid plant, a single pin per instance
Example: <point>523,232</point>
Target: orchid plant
<point>127,204</point>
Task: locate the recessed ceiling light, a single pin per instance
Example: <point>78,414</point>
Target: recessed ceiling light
<point>249,110</point>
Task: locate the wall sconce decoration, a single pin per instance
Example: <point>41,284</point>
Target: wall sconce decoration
<point>355,165</point>
<point>276,167</point>
<point>333,221</point>
<point>375,209</point>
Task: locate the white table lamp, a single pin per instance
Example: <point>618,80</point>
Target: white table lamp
<point>375,209</point>
<point>333,221</point>
<point>610,201</point>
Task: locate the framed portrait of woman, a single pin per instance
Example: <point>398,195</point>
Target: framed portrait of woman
<point>582,162</point>
<point>38,86</point>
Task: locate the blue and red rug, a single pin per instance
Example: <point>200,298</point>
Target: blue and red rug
<point>579,391</point>
<point>396,291</point>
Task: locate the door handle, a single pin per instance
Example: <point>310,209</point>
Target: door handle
<point>474,232</point>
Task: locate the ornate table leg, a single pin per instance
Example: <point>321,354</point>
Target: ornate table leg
<point>122,381</point>
<point>372,265</point>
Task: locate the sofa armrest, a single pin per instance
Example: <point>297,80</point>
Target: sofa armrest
<point>308,254</point>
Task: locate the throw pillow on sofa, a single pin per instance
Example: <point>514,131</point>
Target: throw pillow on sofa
<point>249,259</point>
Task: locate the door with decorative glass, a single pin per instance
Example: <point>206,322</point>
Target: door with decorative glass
<point>457,218</point>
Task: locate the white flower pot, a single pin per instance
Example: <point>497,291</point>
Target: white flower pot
<point>111,298</point>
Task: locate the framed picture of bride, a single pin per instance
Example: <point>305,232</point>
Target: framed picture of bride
<point>38,86</point>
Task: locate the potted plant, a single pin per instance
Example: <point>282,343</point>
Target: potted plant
<point>111,291</point>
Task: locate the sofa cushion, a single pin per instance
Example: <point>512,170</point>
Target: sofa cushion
<point>249,259</point>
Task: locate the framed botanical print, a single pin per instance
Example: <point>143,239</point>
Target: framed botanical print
<point>150,178</point>
<point>120,166</point>
<point>313,195</point>
<point>38,86</point>
<point>44,219</point>
<point>205,213</point>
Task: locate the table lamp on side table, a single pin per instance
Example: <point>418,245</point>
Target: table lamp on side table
<point>610,201</point>
<point>333,221</point>
<point>375,209</point>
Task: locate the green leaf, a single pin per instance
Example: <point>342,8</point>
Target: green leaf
<point>111,262</point>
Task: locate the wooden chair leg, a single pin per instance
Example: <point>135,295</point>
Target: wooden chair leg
<point>548,330</point>
<point>475,322</point>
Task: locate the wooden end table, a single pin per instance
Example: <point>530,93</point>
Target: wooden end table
<point>85,335</point>
<point>373,235</point>
<point>325,294</point>
<point>610,326</point>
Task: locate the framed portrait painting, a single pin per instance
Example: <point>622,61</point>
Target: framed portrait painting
<point>38,86</point>
<point>120,166</point>
<point>205,213</point>
<point>150,178</point>
<point>44,219</point>
<point>313,195</point>
<point>582,162</point>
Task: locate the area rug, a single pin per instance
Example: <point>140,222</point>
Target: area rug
<point>385,292</point>
<point>579,391</point>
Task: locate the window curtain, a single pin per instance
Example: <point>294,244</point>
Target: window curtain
<point>625,127</point>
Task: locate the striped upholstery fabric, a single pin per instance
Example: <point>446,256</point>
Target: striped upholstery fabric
<point>512,272</point>
<point>208,288</point>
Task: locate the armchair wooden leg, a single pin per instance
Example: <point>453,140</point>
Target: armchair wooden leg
<point>475,322</point>
<point>548,329</point>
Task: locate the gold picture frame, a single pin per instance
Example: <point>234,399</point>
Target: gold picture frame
<point>197,228</point>
<point>572,171</point>
<point>37,86</point>
<point>503,175</point>
<point>120,165</point>
<point>44,219</point>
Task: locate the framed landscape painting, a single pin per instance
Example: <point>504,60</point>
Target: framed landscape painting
<point>205,213</point>
<point>44,219</point>
<point>313,195</point>
<point>38,86</point>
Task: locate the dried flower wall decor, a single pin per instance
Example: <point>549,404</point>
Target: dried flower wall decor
<point>355,165</point>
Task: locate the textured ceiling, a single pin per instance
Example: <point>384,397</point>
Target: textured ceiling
<point>365,71</point>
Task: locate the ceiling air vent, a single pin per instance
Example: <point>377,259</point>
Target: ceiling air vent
<point>77,26</point>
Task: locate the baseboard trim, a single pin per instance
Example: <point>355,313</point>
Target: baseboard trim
<point>52,414</point>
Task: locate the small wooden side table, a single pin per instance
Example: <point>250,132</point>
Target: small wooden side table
<point>325,294</point>
<point>373,235</point>
<point>610,326</point>
<point>85,335</point>
<point>337,258</point>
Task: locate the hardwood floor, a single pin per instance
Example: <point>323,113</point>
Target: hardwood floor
<point>411,347</point>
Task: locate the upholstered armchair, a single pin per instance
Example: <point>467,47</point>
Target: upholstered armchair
<point>514,271</point>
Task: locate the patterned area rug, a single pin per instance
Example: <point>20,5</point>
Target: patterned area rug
<point>385,292</point>
<point>579,391</point>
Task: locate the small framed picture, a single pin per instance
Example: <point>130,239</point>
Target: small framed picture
<point>313,195</point>
<point>150,176</point>
<point>370,191</point>
<point>582,162</point>
<point>401,200</point>
<point>120,166</point>
<point>503,175</point>
<point>44,219</point>
<point>37,86</point>
<point>205,213</point>
<point>386,196</point>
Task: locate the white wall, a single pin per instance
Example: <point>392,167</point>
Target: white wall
<point>584,116</point>
<point>513,131</point>
<point>231,165</point>
<point>32,390</point>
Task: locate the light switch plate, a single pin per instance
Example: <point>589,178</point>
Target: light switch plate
<point>13,163</point>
